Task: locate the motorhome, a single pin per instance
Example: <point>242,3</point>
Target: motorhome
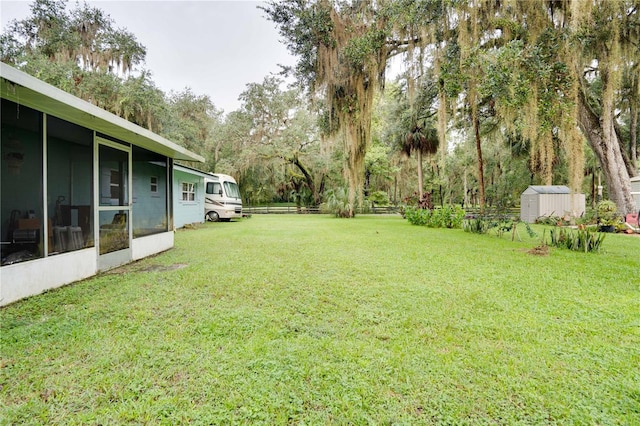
<point>222,200</point>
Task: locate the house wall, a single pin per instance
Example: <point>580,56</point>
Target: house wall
<point>51,145</point>
<point>149,208</point>
<point>37,276</point>
<point>152,244</point>
<point>68,159</point>
<point>186,212</point>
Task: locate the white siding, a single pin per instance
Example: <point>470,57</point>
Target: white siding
<point>36,276</point>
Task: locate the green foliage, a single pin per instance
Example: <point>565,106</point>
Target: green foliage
<point>478,225</point>
<point>337,203</point>
<point>379,198</point>
<point>500,224</point>
<point>448,216</point>
<point>551,220</point>
<point>607,213</point>
<point>583,239</point>
<point>530,231</point>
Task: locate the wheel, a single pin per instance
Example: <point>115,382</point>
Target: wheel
<point>212,216</point>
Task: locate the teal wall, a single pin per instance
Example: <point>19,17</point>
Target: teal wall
<point>150,214</point>
<point>186,212</point>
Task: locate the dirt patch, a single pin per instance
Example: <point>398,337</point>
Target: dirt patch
<point>541,250</point>
<point>163,268</point>
<point>134,267</point>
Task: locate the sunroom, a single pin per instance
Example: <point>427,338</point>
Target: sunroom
<point>83,190</point>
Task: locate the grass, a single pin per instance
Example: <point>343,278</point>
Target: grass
<point>315,320</point>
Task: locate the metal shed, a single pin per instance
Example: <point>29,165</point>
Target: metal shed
<point>551,200</point>
<point>635,190</point>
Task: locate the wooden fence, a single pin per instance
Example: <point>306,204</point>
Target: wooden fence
<point>312,210</point>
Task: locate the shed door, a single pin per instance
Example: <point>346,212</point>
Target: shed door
<point>114,204</point>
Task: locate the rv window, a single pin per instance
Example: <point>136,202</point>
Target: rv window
<point>214,188</point>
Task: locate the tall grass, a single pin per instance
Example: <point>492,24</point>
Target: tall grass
<point>316,320</point>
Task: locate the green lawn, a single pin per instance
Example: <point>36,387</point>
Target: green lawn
<point>314,320</point>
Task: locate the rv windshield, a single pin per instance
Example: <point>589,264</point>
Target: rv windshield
<point>231,188</point>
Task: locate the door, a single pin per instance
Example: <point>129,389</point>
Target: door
<point>114,204</point>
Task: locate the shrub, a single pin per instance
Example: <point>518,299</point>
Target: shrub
<point>482,225</point>
<point>583,239</point>
<point>448,216</point>
<point>417,216</point>
<point>478,225</point>
<point>379,198</point>
<point>552,221</point>
<point>337,203</point>
<point>607,213</point>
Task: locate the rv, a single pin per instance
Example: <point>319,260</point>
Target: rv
<point>222,200</point>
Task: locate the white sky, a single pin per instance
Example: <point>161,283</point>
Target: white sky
<point>213,47</point>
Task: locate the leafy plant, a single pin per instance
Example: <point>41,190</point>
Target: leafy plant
<point>582,239</point>
<point>379,198</point>
<point>337,203</point>
<point>448,216</point>
<point>478,225</point>
<point>417,216</point>
<point>530,231</point>
<point>607,213</point>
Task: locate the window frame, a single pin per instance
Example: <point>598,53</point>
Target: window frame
<point>188,192</point>
<point>153,184</point>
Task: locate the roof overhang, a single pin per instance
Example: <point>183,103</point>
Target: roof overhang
<point>191,170</point>
<point>26,90</point>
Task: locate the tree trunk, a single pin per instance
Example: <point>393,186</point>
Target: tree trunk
<point>465,189</point>
<point>605,144</point>
<point>420,181</point>
<point>476,131</point>
<point>633,131</point>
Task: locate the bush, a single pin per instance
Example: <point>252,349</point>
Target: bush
<point>608,213</point>
<point>476,225</point>
<point>551,221</point>
<point>583,239</point>
<point>445,217</point>
<point>379,198</point>
<point>337,203</point>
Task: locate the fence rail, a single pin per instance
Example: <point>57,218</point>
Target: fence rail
<point>470,211</point>
<point>312,210</point>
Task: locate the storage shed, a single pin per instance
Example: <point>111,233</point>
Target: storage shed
<point>635,190</point>
<point>552,200</point>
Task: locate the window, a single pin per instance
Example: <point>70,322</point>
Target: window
<point>188,191</point>
<point>115,184</point>
<point>154,184</point>
<point>214,188</point>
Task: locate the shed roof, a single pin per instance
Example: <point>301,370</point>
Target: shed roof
<point>547,189</point>
<point>26,90</point>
